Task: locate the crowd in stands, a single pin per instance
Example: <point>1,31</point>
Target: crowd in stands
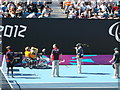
<point>92,9</point>
<point>82,9</point>
<point>24,10</point>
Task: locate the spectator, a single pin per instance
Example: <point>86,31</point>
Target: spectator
<point>66,5</point>
<point>43,5</point>
<point>19,10</point>
<point>72,13</point>
<point>10,5</point>
<point>12,12</point>
<point>46,12</point>
<point>103,7</point>
<point>83,7</point>
<point>1,13</point>
<point>90,8</point>
<point>109,8</point>
<point>115,9</point>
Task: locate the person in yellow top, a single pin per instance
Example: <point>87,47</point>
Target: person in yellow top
<point>27,56</point>
<point>27,52</point>
<point>33,52</point>
<point>33,56</point>
<point>30,56</point>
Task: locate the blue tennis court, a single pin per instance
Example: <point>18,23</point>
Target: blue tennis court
<point>92,76</point>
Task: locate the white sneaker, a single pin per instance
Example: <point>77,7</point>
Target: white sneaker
<point>79,72</point>
<point>114,77</point>
<point>52,75</point>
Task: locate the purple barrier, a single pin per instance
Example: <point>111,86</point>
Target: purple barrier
<point>87,59</point>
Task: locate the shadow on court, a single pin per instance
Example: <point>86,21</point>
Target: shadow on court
<point>71,77</point>
<point>97,73</point>
<point>28,77</point>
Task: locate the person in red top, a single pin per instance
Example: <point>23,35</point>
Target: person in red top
<point>9,59</point>
<point>115,8</point>
<point>55,57</point>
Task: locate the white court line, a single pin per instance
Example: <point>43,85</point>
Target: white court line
<point>4,66</point>
<point>7,80</point>
<point>26,76</point>
<point>69,82</point>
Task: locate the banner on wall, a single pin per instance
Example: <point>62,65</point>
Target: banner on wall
<point>97,36</point>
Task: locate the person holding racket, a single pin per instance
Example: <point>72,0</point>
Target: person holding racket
<point>56,55</point>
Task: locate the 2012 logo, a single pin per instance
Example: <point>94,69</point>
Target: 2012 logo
<point>115,28</point>
<point>13,31</point>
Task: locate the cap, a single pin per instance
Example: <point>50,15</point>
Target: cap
<point>103,2</point>
<point>78,44</point>
<point>116,49</point>
<point>27,48</point>
<point>32,48</point>
<point>8,47</point>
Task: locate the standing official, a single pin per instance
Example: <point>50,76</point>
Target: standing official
<point>79,55</point>
<point>55,57</point>
<point>9,59</point>
<point>116,62</point>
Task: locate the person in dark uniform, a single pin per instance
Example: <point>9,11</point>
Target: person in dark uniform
<point>116,62</point>
<point>55,57</point>
<point>79,55</point>
<point>9,59</point>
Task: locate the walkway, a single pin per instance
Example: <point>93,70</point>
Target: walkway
<point>57,11</point>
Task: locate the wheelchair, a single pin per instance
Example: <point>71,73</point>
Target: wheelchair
<point>37,63</point>
<point>28,62</point>
<point>42,62</point>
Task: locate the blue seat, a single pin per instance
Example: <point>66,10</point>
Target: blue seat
<point>26,14</point>
<point>106,16</point>
<point>41,3</point>
<point>96,10</point>
<point>118,15</point>
<point>4,9</point>
<point>38,14</point>
<point>35,3</point>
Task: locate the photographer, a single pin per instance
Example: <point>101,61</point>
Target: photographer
<point>79,55</point>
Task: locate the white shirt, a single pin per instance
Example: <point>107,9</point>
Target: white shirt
<point>83,8</point>
<point>103,7</point>
<point>93,4</point>
<point>45,11</point>
<point>1,11</point>
<point>10,6</point>
<point>1,16</point>
<point>89,7</point>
